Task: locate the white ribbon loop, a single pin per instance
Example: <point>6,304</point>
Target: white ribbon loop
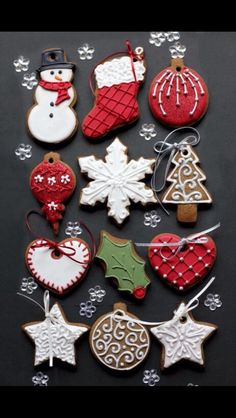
<point>182,310</point>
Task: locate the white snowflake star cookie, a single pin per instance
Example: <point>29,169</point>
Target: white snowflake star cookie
<point>182,339</point>
<point>116,180</point>
<point>55,336</point>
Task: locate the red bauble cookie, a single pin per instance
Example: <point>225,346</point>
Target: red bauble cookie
<point>52,182</point>
<point>185,268</point>
<point>178,95</point>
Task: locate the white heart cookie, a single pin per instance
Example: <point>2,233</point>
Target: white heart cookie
<point>56,271</point>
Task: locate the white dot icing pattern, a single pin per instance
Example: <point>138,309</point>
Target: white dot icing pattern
<point>119,344</point>
<point>186,179</point>
<point>63,336</point>
<point>182,340</point>
<point>117,71</point>
<point>116,180</point>
<point>58,273</point>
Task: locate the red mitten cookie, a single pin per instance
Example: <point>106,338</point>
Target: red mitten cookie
<point>181,269</point>
<point>178,96</point>
<point>52,182</point>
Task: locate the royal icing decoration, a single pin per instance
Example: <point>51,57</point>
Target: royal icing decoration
<point>178,96</point>
<point>182,338</point>
<point>58,266</point>
<point>119,344</point>
<point>124,264</point>
<point>186,190</point>
<point>181,268</point>
<point>51,119</point>
<point>55,336</point>
<point>116,180</point>
<point>52,182</point>
<point>117,83</point>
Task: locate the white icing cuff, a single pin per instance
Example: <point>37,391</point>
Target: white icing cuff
<point>117,71</point>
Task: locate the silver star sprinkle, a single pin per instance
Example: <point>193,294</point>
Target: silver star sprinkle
<point>21,64</point>
<point>73,229</point>
<point>148,131</point>
<point>96,294</point>
<point>23,151</point>
<point>150,377</point>
<point>213,301</point>
<point>40,379</point>
<point>177,50</point>
<point>28,285</point>
<point>29,81</point>
<point>86,52</point>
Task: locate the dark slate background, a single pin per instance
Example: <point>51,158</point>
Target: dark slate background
<point>213,55</point>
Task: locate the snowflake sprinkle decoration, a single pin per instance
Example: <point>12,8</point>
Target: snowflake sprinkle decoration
<point>29,81</point>
<point>23,151</point>
<point>87,309</point>
<point>213,301</point>
<point>157,38</point>
<point>86,52</point>
<point>40,379</point>
<point>151,219</point>
<point>177,50</point>
<point>172,36</point>
<point>28,285</point>
<point>150,377</point>
<point>148,131</point>
<point>21,64</point>
<point>116,180</point>
<point>191,384</point>
<point>96,294</point>
<point>73,229</point>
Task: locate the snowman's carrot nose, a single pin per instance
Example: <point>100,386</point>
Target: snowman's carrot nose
<point>57,77</point>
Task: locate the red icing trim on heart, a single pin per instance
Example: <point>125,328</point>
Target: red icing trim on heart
<point>186,268</point>
<point>174,109</point>
<point>36,266</point>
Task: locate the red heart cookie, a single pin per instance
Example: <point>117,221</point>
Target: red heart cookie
<point>55,270</point>
<point>185,268</point>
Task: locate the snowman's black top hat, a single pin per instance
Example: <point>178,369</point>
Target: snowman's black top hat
<point>54,58</point>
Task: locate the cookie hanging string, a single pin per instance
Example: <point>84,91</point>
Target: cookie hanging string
<point>163,149</point>
<point>62,249</point>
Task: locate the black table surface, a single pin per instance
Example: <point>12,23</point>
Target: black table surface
<point>213,55</point>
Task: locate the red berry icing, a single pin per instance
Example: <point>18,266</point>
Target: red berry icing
<point>139,292</point>
<point>185,268</point>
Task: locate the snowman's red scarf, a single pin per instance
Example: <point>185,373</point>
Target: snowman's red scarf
<point>61,87</point>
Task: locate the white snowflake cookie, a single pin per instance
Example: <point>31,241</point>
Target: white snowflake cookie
<point>116,180</point>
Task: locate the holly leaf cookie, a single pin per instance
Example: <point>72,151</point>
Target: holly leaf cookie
<point>124,264</point>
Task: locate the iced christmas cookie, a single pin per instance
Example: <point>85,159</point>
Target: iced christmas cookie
<point>54,337</point>
<point>51,119</point>
<point>118,80</point>
<point>116,180</point>
<point>119,344</point>
<point>52,182</point>
<point>185,267</point>
<point>182,338</point>
<point>123,264</point>
<point>60,266</point>
<point>186,189</point>
<point>178,96</point>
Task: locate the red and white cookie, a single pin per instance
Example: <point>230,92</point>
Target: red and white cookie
<point>178,95</point>
<point>58,270</point>
<point>181,269</point>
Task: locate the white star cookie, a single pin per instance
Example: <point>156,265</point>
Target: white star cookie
<point>116,180</point>
<point>182,339</point>
<point>63,336</point>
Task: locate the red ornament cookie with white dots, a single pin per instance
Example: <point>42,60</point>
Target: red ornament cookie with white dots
<point>178,95</point>
<point>181,269</point>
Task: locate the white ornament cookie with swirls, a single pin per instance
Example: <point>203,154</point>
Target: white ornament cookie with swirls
<point>119,343</point>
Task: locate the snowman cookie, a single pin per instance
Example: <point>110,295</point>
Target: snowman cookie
<point>51,119</point>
